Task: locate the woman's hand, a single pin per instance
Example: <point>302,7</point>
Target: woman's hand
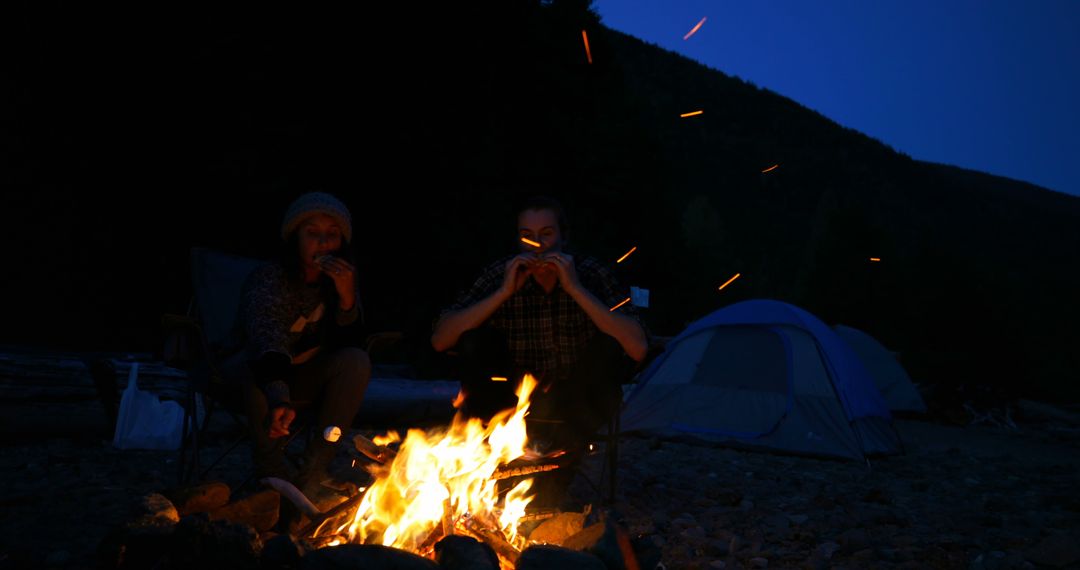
<point>344,276</point>
<point>281,418</point>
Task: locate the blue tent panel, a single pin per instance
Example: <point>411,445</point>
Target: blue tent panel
<point>767,373</point>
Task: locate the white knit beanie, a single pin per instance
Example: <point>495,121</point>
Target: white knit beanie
<point>316,203</point>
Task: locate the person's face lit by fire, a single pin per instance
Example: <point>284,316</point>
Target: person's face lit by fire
<point>541,226</point>
<point>318,235</point>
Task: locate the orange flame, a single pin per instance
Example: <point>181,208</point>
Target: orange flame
<point>588,52</point>
<point>694,31</point>
<point>445,477</point>
<point>691,114</point>
<point>728,282</point>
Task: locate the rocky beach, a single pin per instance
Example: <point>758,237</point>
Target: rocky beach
<point>979,496</point>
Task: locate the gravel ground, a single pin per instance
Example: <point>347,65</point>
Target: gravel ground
<point>971,497</point>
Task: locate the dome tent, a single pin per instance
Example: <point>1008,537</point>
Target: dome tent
<point>889,376</point>
<point>767,374</point>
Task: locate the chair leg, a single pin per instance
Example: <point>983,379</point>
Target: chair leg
<point>612,452</point>
<point>189,440</point>
<point>202,475</point>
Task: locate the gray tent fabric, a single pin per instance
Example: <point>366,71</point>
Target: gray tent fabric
<point>889,376</point>
<point>768,384</point>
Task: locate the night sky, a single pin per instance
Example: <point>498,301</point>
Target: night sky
<point>990,85</point>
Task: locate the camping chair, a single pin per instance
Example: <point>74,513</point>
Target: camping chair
<point>203,339</point>
<point>611,433</point>
<point>200,341</point>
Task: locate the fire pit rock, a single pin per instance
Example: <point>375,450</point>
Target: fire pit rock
<point>548,557</point>
<point>368,556</point>
<point>457,552</point>
<point>201,498</point>
<point>194,542</point>
<point>558,528</point>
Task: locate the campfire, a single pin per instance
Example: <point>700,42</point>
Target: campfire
<point>450,494</point>
<point>445,482</point>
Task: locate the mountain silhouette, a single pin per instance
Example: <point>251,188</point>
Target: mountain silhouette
<point>136,133</point>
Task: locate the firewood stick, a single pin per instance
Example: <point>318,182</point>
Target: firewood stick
<point>524,470</point>
<point>492,538</point>
<point>434,536</point>
<point>539,516</point>
<point>317,521</point>
<point>375,452</point>
<point>290,492</point>
<point>447,518</point>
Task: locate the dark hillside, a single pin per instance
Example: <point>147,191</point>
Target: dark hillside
<point>128,143</point>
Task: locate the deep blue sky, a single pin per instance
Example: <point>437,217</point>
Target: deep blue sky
<point>990,85</point>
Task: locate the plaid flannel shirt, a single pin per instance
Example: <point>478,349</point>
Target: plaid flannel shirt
<point>546,332</point>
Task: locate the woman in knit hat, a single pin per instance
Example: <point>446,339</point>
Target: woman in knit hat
<point>301,318</point>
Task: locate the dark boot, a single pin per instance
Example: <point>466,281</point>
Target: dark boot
<point>316,467</point>
<point>313,471</point>
<point>269,461</point>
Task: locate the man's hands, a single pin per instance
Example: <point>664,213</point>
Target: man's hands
<point>281,418</point>
<point>563,265</point>
<point>518,270</point>
<point>540,266</point>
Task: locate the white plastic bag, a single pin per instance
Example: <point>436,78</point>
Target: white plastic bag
<point>144,421</point>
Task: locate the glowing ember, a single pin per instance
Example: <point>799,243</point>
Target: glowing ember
<point>694,31</point>
<point>498,378</point>
<point>624,301</point>
<point>588,52</point>
<point>444,482</point>
<point>728,282</point>
<point>691,114</point>
<point>627,254</point>
<point>528,241</point>
<point>771,168</point>
<point>875,259</point>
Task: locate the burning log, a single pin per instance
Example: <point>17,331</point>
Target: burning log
<point>492,537</point>
<point>436,535</point>
<point>321,518</point>
<point>441,483</point>
<point>523,470</point>
<point>447,518</point>
<point>542,515</point>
